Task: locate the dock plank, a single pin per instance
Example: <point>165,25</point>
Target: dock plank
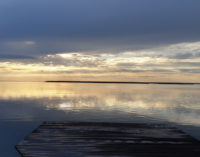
<point>60,139</point>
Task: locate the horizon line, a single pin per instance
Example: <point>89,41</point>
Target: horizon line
<point>126,82</point>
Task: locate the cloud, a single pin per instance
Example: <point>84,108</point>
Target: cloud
<point>74,60</point>
<point>15,57</point>
<point>190,70</point>
<point>126,64</point>
<point>183,56</point>
<point>29,42</point>
<point>19,44</point>
<point>100,37</point>
<point>91,25</point>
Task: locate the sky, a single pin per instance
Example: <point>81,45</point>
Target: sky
<point>110,40</point>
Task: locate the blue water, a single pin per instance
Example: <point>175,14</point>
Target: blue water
<point>23,106</point>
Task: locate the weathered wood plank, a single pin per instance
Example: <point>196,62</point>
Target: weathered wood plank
<point>59,139</point>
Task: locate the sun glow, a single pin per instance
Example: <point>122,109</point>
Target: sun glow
<point>145,65</point>
<point>64,55</point>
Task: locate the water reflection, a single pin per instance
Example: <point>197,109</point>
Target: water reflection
<point>61,101</point>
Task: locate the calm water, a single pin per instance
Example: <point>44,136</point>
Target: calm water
<point>23,106</point>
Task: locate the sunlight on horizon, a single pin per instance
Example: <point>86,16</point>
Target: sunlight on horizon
<point>176,62</point>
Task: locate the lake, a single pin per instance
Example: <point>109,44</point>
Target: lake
<point>25,105</point>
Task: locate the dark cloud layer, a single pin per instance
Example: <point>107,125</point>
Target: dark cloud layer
<point>14,57</point>
<point>185,56</point>
<point>95,25</point>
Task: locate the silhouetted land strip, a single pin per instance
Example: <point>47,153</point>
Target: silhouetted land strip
<point>120,82</point>
<point>82,139</point>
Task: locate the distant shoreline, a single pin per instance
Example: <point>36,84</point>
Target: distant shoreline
<point>120,82</point>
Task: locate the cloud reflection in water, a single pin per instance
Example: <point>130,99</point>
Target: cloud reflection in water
<point>101,102</point>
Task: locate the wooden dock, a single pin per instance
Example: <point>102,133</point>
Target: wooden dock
<point>58,139</point>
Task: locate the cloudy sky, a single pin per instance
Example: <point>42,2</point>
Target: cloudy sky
<point>122,40</point>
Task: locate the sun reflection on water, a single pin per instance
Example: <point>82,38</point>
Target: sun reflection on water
<point>178,104</point>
